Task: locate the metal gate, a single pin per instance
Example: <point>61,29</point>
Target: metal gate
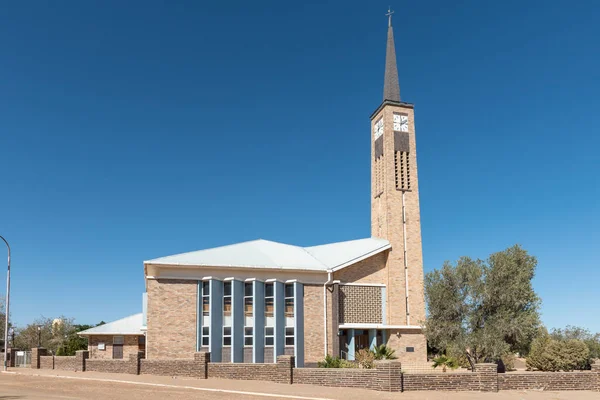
<point>23,359</point>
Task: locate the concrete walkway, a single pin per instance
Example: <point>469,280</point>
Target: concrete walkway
<point>32,384</point>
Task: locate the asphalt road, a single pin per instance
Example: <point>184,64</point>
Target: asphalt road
<point>47,388</point>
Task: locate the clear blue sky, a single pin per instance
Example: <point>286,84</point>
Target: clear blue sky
<point>134,130</point>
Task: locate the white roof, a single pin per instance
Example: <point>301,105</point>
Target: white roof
<point>266,254</point>
<point>131,325</point>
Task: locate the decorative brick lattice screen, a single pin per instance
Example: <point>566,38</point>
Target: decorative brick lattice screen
<point>360,304</point>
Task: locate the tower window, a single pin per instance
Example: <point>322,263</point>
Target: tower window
<point>402,170</point>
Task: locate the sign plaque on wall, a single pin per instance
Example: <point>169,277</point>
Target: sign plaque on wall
<point>101,346</point>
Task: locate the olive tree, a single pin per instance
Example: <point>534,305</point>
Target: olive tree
<point>483,310</point>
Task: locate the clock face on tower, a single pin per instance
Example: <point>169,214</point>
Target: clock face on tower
<point>378,129</point>
<point>400,123</point>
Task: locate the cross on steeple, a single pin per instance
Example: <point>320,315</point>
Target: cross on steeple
<point>389,15</point>
<point>391,86</point>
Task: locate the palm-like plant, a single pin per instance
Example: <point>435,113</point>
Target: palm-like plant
<point>383,352</point>
<point>445,362</point>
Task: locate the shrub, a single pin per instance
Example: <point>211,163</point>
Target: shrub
<point>330,362</point>
<point>383,352</point>
<point>365,358</point>
<point>549,354</point>
<point>445,362</point>
<point>336,362</point>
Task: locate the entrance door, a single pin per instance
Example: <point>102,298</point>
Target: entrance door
<point>361,340</point>
<point>117,351</point>
<point>118,347</point>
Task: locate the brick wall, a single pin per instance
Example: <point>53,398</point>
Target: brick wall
<point>448,381</point>
<point>47,362</point>
<point>130,346</point>
<point>114,366</point>
<point>171,318</point>
<point>340,377</point>
<point>67,363</point>
<point>36,354</point>
<point>192,368</point>
<point>580,380</point>
<point>280,372</point>
<point>387,376</point>
<point>130,366</point>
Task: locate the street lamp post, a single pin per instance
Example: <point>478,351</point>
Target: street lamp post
<point>7,305</point>
<point>39,336</point>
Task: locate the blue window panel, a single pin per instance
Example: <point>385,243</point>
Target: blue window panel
<point>237,305</point>
<point>372,339</point>
<point>350,342</point>
<point>216,320</point>
<point>279,320</point>
<point>258,350</point>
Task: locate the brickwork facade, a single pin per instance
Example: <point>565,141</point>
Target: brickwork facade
<point>395,216</point>
<point>370,270</point>
<point>171,324</point>
<point>360,304</point>
<point>130,346</point>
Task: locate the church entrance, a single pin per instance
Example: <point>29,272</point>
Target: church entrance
<point>353,340</point>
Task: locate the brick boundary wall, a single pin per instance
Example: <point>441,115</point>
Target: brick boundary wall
<point>47,362</point>
<point>192,368</point>
<point>280,372</point>
<point>386,376</point>
<point>338,377</point>
<point>446,381</point>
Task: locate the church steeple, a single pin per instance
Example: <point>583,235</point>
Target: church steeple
<point>391,86</point>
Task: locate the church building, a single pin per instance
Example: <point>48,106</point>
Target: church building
<point>252,301</point>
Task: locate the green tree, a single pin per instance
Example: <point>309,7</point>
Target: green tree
<point>482,310</point>
<point>591,340</point>
<point>550,354</point>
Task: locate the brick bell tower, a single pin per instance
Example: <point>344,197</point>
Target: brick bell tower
<point>395,214</point>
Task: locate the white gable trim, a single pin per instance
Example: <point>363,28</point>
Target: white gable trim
<point>363,257</point>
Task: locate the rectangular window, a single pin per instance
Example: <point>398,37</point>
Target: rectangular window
<point>118,339</point>
<point>289,314</point>
<point>269,314</point>
<point>205,340</point>
<point>227,313</point>
<point>248,313</point>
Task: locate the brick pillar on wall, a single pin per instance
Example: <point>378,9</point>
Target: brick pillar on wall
<point>285,369</point>
<point>389,375</point>
<point>36,353</point>
<point>134,362</point>
<point>81,356</point>
<point>488,376</point>
<point>13,356</point>
<point>203,358</point>
<point>596,369</point>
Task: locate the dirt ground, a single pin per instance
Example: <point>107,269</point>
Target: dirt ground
<point>50,385</point>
